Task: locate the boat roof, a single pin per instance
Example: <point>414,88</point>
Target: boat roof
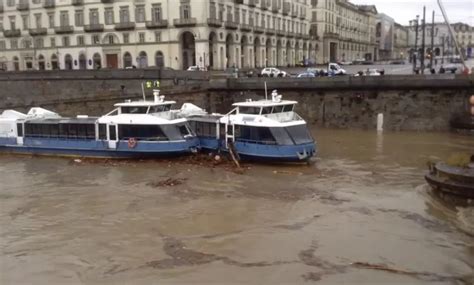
<point>264,103</point>
<point>144,104</point>
<point>88,120</point>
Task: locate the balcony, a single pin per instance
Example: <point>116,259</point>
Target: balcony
<point>77,2</point>
<point>157,24</point>
<point>281,33</point>
<point>270,32</point>
<point>231,25</point>
<point>124,26</point>
<point>245,28</point>
<point>294,13</point>
<point>303,15</point>
<point>12,33</point>
<point>48,4</point>
<point>94,28</point>
<point>189,22</point>
<point>265,4</point>
<point>23,6</point>
<point>38,32</point>
<point>258,30</point>
<point>252,3</point>
<point>286,8</point>
<point>216,23</point>
<point>107,1</point>
<point>64,30</point>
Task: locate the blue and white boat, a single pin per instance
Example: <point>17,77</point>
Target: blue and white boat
<point>141,129</point>
<point>266,130</point>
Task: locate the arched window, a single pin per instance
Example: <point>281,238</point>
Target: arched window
<point>68,62</point>
<point>41,62</point>
<point>127,60</point>
<point>16,63</point>
<point>97,59</point>
<point>142,60</point>
<point>54,62</point>
<point>82,61</point>
<point>159,59</point>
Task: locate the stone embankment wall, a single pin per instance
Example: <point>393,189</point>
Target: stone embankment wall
<point>407,102</point>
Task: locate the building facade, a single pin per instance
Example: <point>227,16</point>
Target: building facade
<point>400,49</point>
<point>345,31</point>
<point>443,44</point>
<point>91,34</point>
<point>385,34</point>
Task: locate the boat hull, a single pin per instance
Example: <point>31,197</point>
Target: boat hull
<point>264,152</point>
<point>99,149</point>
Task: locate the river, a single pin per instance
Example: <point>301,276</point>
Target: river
<point>361,214</point>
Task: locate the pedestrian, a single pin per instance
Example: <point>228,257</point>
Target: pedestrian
<point>442,70</point>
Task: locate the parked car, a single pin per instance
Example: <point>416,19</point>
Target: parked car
<point>451,67</point>
<point>335,69</point>
<point>196,68</point>
<point>306,75</point>
<point>370,72</point>
<point>346,63</point>
<point>273,72</point>
<point>318,72</point>
<point>358,61</point>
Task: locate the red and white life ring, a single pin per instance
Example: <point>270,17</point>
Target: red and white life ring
<point>132,143</point>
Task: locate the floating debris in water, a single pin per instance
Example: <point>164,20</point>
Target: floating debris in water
<point>169,182</point>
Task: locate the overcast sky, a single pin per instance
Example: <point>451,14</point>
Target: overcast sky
<point>405,10</point>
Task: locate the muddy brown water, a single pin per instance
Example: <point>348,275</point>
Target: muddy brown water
<point>362,214</point>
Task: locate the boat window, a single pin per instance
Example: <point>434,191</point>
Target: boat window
<point>72,131</point>
<point>205,129</point>
<point>288,108</point>
<point>160,108</point>
<point>19,128</point>
<point>112,133</point>
<point>63,131</point>
<point>134,110</point>
<point>281,136</point>
<point>277,109</point>
<point>54,130</point>
<point>142,132</point>
<point>266,110</point>
<point>261,135</point>
<point>183,130</point>
<point>249,110</point>
<point>300,134</point>
<point>102,132</point>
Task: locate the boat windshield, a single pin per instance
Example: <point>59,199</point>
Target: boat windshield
<point>160,108</point>
<point>300,134</point>
<point>134,110</point>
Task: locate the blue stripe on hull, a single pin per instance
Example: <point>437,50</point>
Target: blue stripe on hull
<point>262,152</point>
<point>92,148</point>
<point>280,153</point>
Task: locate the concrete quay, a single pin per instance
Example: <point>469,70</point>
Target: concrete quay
<point>417,103</point>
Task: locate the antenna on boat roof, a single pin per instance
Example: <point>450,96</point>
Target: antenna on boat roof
<point>266,91</point>
<point>143,92</point>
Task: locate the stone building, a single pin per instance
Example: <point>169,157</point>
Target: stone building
<point>443,44</point>
<point>400,48</point>
<point>346,32</point>
<point>89,34</point>
<point>385,34</point>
